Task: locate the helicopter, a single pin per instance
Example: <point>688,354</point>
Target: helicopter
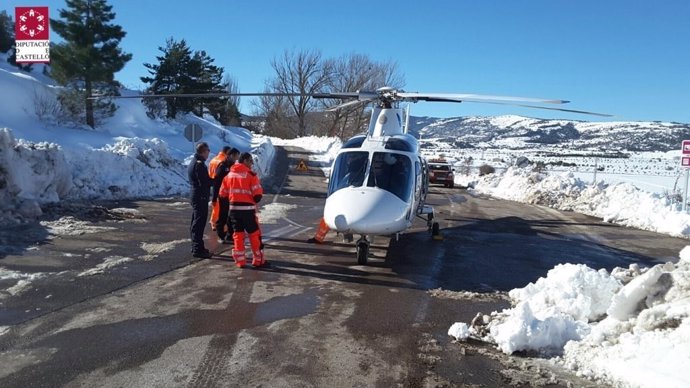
<point>379,180</point>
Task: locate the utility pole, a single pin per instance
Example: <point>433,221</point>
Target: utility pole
<point>685,192</point>
<point>685,163</point>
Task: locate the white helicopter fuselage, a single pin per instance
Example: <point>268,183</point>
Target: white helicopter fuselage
<point>377,180</point>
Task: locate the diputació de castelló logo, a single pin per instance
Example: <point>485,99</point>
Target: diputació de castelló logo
<point>32,34</point>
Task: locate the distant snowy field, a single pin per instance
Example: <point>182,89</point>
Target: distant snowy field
<point>646,154</point>
<point>128,156</point>
<point>657,172</point>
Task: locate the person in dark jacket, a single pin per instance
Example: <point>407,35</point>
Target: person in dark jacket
<point>200,195</point>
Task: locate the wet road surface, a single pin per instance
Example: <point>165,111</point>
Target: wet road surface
<point>126,305</point>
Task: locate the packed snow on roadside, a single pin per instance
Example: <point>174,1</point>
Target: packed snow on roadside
<point>323,149</point>
<point>629,327</point>
<point>620,203</point>
<point>129,155</point>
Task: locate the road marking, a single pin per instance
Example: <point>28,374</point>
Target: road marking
<point>280,231</point>
<point>293,222</point>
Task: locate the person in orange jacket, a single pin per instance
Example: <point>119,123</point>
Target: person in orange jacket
<point>243,190</point>
<point>218,168</point>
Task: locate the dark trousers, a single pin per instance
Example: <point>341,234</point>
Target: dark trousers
<point>224,219</point>
<point>199,218</point>
<point>244,220</point>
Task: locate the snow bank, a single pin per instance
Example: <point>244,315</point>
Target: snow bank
<point>30,174</point>
<point>131,167</point>
<point>631,326</point>
<point>620,203</point>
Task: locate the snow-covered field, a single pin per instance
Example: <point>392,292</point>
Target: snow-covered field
<point>646,154</point>
<point>128,156</point>
<point>620,203</point>
<point>630,327</point>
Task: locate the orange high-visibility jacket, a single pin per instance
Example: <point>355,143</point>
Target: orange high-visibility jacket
<point>242,187</point>
<point>215,162</point>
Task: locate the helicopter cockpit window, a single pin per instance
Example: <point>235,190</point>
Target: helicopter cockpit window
<point>349,169</point>
<point>399,145</point>
<point>391,172</point>
<point>355,142</point>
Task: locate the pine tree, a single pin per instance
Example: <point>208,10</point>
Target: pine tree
<point>6,32</point>
<point>208,79</point>
<point>168,76</point>
<point>179,70</point>
<point>90,55</point>
<point>7,42</point>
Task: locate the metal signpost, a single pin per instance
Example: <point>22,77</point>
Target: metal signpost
<point>193,133</point>
<point>685,163</point>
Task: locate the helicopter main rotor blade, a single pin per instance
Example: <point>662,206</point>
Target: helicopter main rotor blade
<point>349,104</point>
<point>344,95</point>
<point>543,107</point>
<point>449,97</point>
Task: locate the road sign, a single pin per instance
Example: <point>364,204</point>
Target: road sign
<point>685,161</point>
<point>302,166</point>
<point>685,148</point>
<point>193,132</point>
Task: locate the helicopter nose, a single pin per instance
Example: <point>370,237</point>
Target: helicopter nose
<point>365,210</point>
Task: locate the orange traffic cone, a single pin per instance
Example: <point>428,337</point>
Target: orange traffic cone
<point>321,232</point>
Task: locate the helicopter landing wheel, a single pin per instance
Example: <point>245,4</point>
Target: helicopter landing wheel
<point>436,231</point>
<point>362,251</point>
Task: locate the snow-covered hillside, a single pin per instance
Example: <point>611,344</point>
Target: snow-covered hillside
<point>129,155</point>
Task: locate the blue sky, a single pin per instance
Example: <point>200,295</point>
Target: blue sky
<point>629,58</point>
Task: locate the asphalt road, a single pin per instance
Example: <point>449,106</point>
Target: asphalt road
<point>111,297</point>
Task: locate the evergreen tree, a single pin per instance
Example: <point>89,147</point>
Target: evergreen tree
<point>6,32</point>
<point>168,76</point>
<point>179,70</point>
<point>207,78</point>
<point>7,41</point>
<point>90,55</point>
